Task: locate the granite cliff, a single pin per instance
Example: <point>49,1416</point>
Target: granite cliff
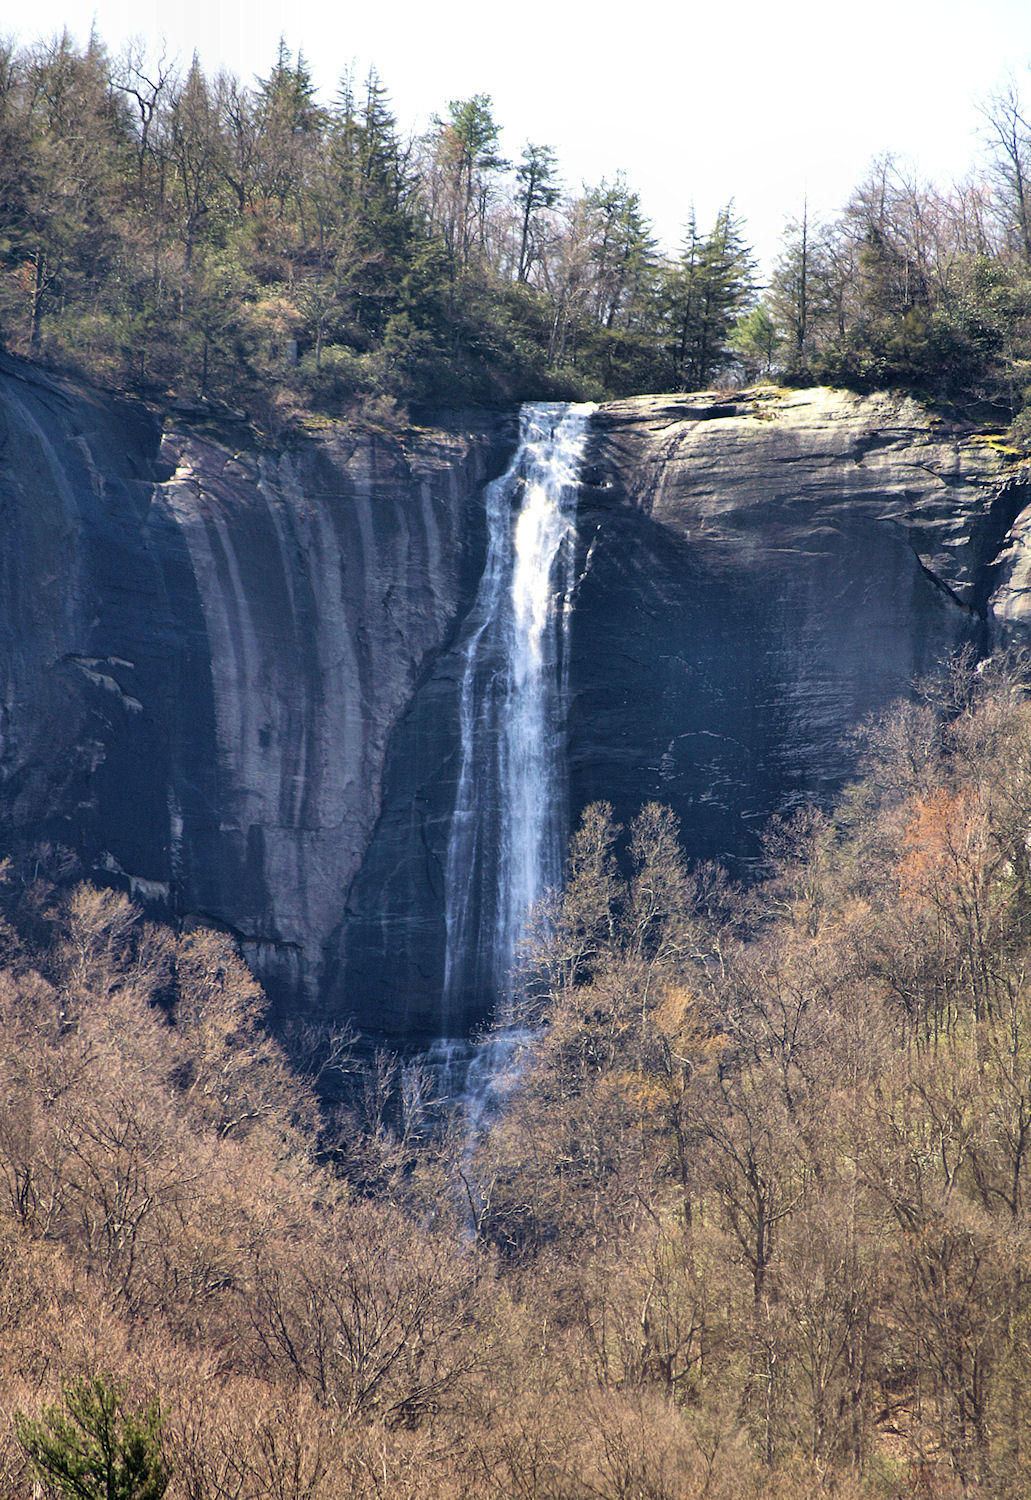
<point>206,647</point>
<point>759,574</point>
<point>228,674</point>
<point>755,575</point>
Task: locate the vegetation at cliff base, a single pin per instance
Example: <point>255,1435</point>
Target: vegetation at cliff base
<point>168,232</point>
<point>754,1220</point>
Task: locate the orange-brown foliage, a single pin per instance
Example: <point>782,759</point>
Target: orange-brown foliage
<point>754,1221</point>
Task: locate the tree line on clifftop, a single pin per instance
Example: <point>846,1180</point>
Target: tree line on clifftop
<point>168,232</point>
<point>754,1220</point>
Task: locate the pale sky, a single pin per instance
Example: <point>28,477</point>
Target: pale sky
<point>762,101</point>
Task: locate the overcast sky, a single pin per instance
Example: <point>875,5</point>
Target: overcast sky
<point>762,101</point>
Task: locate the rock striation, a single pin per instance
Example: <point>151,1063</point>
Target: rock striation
<point>205,648</point>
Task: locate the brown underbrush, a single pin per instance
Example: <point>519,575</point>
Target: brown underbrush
<point>753,1223</point>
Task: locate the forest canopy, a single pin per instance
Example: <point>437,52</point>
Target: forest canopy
<point>165,231</point>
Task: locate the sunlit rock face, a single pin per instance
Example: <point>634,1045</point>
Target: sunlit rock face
<point>206,647</point>
<point>758,574</point>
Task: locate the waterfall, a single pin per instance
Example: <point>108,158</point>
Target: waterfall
<point>507,833</point>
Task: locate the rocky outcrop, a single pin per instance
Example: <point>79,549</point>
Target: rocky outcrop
<point>761,573</point>
<point>205,648</point>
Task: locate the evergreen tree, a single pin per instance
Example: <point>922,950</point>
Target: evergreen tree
<point>681,293</point>
<point>72,142</point>
<point>289,121</point>
<point>93,1447</point>
<point>624,254</point>
<point>792,289</point>
<point>755,342</point>
<point>537,189</point>
<point>196,155</point>
<point>466,161</point>
<point>365,199</point>
<point>384,171</point>
<point>705,292</point>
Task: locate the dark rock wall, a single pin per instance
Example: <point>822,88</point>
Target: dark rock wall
<point>328,577</point>
<point>755,577</point>
<point>758,576</point>
<point>76,481</point>
<point>204,652</point>
<point>395,916</point>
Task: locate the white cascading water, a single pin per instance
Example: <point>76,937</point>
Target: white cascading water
<point>507,835</point>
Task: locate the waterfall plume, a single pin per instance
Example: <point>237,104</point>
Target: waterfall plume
<point>507,834</point>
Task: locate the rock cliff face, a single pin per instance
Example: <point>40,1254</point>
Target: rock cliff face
<point>759,575</point>
<point>228,676</point>
<point>755,577</point>
<point>204,650</point>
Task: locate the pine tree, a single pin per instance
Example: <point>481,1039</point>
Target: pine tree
<point>624,253</point>
<point>467,159</point>
<point>371,186</point>
<point>792,289</point>
<point>681,290</point>
<point>538,189</point>
<point>195,153</point>
<point>754,341</point>
<point>706,291</point>
<point>93,1447</point>
<point>290,122</point>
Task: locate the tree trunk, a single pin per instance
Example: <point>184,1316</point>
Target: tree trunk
<point>38,287</point>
